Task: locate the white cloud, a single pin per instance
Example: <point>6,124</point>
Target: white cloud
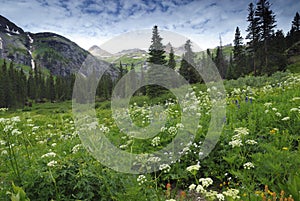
<point>93,22</point>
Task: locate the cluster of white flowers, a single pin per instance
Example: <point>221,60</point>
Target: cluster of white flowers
<point>200,189</point>
<point>171,200</point>
<point>35,128</point>
<point>165,168</point>
<point>47,155</point>
<point>192,187</point>
<point>155,141</point>
<point>193,168</point>
<point>285,118</point>
<point>16,132</point>
<point>141,179</point>
<point>233,193</point>
<point>248,165</point>
<point>76,148</point>
<point>236,143</point>
<point>153,159</point>
<point>242,131</point>
<point>52,163</point>
<point>206,182</point>
<point>220,197</point>
<point>172,130</point>
<point>3,109</point>
<point>104,129</point>
<point>251,142</point>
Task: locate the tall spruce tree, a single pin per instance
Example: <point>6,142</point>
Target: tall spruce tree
<point>296,23</point>
<point>157,57</point>
<point>187,64</point>
<point>238,55</point>
<point>171,62</point>
<point>253,36</point>
<point>266,24</point>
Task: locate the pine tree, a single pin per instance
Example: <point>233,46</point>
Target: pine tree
<point>253,36</point>
<point>266,25</point>
<point>156,49</point>
<point>171,62</point>
<point>157,57</point>
<point>238,54</point>
<point>220,61</point>
<point>294,34</point>
<point>187,64</point>
<point>296,23</point>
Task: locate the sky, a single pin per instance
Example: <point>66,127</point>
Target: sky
<point>99,22</point>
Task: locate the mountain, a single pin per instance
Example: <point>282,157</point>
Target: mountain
<point>54,52</point>
<point>98,52</point>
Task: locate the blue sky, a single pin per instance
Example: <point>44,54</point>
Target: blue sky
<point>93,22</point>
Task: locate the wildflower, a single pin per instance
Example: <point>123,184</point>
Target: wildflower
<point>285,148</point>
<point>193,168</point>
<point>153,159</point>
<point>251,142</point>
<point>141,179</point>
<point>4,152</point>
<point>232,193</point>
<point>51,163</point>
<point>104,129</point>
<point>53,144</point>
<point>16,132</point>
<point>278,114</point>
<point>155,141</point>
<point>192,187</point>
<point>50,154</point>
<point>242,131</point>
<point>285,119</point>
<point>200,189</point>
<point>172,130</point>
<point>236,143</point>
<point>165,168</point>
<point>76,148</point>
<point>295,98</point>
<point>248,165</point>
<point>171,200</point>
<point>35,128</point>
<point>295,110</point>
<point>182,195</point>
<point>206,182</point>
<point>267,104</point>
<point>220,197</point>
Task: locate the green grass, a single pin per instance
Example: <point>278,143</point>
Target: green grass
<point>257,106</point>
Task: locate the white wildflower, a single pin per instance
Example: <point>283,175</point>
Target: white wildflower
<point>220,197</point>
<point>193,168</point>
<point>52,163</point>
<point>76,148</point>
<point>155,141</point>
<point>236,143</point>
<point>251,142</point>
<point>192,187</point>
<point>165,168</point>
<point>206,182</point>
<point>285,118</point>
<point>50,154</point>
<point>248,165</point>
<point>141,179</point>
<point>200,189</point>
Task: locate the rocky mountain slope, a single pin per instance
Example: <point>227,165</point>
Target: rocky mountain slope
<point>56,53</point>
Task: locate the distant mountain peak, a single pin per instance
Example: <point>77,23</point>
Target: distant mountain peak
<point>98,52</point>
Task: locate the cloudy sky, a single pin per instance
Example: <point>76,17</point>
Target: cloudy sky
<point>93,22</point>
